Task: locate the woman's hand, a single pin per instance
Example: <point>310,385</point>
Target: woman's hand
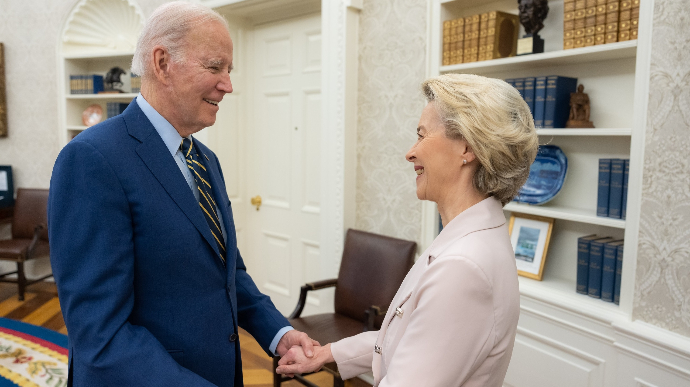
<point>296,362</point>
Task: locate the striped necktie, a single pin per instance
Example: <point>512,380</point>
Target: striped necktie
<point>203,184</point>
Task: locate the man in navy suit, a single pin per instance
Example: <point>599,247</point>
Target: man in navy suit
<point>143,245</point>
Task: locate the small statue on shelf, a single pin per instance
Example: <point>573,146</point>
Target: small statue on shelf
<point>579,110</point>
<point>112,79</point>
<point>532,15</point>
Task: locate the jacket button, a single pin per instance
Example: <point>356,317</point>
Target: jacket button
<point>233,337</point>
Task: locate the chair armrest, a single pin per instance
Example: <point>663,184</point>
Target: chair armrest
<point>303,294</point>
<point>37,235</point>
<point>370,315</point>
<point>329,283</point>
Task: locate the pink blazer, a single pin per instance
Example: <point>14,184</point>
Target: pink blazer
<point>454,318</point>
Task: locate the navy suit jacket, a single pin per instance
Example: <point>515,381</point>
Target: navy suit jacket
<point>145,296</point>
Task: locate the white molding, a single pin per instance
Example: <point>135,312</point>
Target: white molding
<point>559,345</point>
<point>339,25</point>
<point>568,325</point>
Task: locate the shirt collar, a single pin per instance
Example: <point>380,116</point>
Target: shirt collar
<point>168,133</point>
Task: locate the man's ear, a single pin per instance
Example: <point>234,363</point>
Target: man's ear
<point>161,64</point>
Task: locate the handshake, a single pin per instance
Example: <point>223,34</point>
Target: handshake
<point>301,354</point>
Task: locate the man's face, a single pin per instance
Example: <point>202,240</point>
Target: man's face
<point>526,8</point>
<point>199,81</point>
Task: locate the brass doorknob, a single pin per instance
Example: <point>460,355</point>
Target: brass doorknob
<point>256,201</point>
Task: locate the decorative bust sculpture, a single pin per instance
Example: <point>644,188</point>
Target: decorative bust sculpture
<point>532,15</point>
<point>579,110</point>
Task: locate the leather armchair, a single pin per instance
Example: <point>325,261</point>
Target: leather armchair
<point>371,271</point>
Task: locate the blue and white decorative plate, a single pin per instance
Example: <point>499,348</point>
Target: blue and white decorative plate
<point>546,176</point>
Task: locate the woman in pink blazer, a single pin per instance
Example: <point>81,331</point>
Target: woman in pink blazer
<point>454,318</point>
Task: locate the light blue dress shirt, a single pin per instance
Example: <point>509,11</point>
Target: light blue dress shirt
<point>172,140</point>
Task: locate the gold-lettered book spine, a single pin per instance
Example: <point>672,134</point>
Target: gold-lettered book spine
<point>568,24</point>
<point>446,43</point>
<point>483,32</point>
<point>467,27</point>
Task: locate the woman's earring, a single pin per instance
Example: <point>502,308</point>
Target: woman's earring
<point>464,161</point>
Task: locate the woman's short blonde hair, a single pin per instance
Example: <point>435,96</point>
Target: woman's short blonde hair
<point>496,123</point>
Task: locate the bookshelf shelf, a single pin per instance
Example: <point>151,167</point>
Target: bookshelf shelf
<point>586,132</point>
<point>127,96</point>
<point>591,54</point>
<point>564,213</point>
<point>76,127</point>
<point>561,293</point>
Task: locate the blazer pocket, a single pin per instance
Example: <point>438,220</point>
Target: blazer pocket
<point>178,356</point>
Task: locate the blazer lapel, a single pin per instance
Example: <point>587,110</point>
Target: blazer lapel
<point>157,158</point>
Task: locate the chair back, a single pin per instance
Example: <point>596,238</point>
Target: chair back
<point>30,210</point>
<point>371,271</point>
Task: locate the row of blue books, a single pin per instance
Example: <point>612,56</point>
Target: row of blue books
<point>599,267</point>
<point>85,84</point>
<point>548,98</point>
<point>612,197</point>
<point>115,108</point>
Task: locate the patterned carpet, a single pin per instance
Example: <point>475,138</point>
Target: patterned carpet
<point>42,308</point>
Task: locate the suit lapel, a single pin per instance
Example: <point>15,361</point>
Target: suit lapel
<point>157,158</point>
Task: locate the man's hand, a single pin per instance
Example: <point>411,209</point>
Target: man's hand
<point>296,362</point>
<point>296,338</point>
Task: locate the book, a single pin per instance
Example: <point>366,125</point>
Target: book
<point>600,25</point>
<point>590,23</point>
<point>596,258</point>
<point>624,202</point>
<point>467,34</point>
<point>86,84</point>
<point>529,93</point>
<point>135,83</point>
<point>446,43</point>
<point>568,23</point>
<point>539,100</point>
<point>582,284</point>
<point>510,81</point>
<point>624,17</point>
<point>483,32</point>
<point>557,100</point>
<point>603,187</point>
<point>520,86</point>
<point>458,39</point>
<point>619,271</point>
<point>474,42</point>
<point>608,270</point>
<point>616,188</point>
<point>115,108</point>
<point>502,35</point>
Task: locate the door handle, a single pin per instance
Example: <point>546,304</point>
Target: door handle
<point>256,201</point>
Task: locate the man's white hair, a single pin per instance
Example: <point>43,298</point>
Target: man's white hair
<point>168,27</point>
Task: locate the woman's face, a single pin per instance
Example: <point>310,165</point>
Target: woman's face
<point>437,159</point>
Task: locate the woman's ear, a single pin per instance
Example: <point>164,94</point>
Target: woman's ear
<point>468,154</point>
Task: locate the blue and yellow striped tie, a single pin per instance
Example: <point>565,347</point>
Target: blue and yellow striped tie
<point>203,183</point>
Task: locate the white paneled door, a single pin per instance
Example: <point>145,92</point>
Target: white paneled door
<point>283,158</point>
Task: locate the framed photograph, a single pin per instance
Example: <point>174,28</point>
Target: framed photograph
<point>3,101</point>
<point>530,235</point>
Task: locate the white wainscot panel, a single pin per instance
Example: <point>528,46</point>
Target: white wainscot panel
<point>540,361</point>
<point>277,262</point>
<point>311,268</point>
<point>275,139</point>
<point>312,52</point>
<point>311,155</point>
<point>277,56</point>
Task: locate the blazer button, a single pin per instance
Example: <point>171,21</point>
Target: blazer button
<point>233,337</point>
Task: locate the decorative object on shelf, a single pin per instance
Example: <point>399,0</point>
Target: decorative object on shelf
<point>546,176</point>
<point>85,84</point>
<point>579,110</point>
<point>92,115</point>
<point>6,186</point>
<point>532,15</point>
<point>530,235</point>
<point>3,101</point>
<point>112,79</point>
